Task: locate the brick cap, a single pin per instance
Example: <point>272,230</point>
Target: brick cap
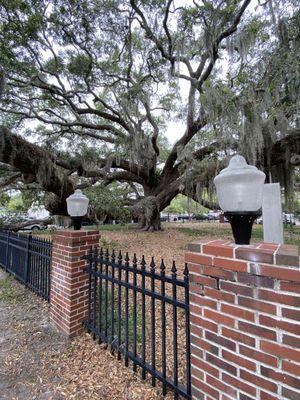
<point>270,253</point>
<point>72,233</point>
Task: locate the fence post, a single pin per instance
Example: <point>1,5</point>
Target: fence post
<point>69,283</point>
<point>244,308</point>
<point>27,259</point>
<point>7,250</point>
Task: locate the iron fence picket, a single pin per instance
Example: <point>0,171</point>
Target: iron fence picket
<point>28,259</point>
<point>118,307</point>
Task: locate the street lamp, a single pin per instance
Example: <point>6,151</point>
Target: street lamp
<point>239,191</point>
<point>77,205</point>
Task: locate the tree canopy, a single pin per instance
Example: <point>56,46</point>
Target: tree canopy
<point>88,89</point>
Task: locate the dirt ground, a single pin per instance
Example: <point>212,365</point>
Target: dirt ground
<point>38,363</point>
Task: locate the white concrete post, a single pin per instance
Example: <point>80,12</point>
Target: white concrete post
<point>272,213</point>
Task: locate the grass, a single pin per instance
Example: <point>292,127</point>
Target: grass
<point>9,291</point>
<point>223,231</point>
<point>116,227</point>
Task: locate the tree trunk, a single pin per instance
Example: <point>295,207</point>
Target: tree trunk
<point>151,223</point>
<point>147,211</point>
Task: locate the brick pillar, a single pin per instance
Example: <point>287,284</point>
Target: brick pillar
<point>68,296</point>
<point>245,321</point>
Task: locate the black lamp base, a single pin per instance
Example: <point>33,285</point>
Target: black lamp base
<point>241,224</point>
<point>77,222</point>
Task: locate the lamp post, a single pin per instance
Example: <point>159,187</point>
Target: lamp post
<point>239,191</point>
<point>77,205</point>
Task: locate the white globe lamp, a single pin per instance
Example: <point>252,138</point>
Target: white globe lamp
<point>77,205</point>
<point>239,190</point>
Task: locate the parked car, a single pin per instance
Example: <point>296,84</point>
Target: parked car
<point>213,216</point>
<point>186,217</point>
<point>168,217</point>
<point>201,217</point>
<point>259,220</point>
<point>288,218</point>
<point>33,227</point>
<point>164,218</point>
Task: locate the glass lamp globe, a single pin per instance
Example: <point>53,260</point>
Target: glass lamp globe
<point>240,186</point>
<point>240,190</point>
<point>77,205</point>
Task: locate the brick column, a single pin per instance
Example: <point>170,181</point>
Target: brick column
<point>68,296</point>
<point>245,321</point>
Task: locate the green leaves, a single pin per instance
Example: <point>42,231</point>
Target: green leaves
<point>79,65</point>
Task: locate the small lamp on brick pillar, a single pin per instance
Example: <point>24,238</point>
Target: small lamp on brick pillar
<point>77,205</point>
<point>239,191</point>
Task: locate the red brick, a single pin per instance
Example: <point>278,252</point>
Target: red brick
<point>238,337</point>
<point>256,255</point>
<point>290,394</point>
<point>280,324</point>
<point>195,351</point>
<point>195,310</point>
<point>237,383</point>
<point>269,246</point>
<point>197,258</point>
<point>279,298</point>
<point>257,305</point>
<point>218,272</point>
<point>291,313</point>
<point>227,263</point>
<point>203,280</point>
<point>241,361</point>
<point>236,288</point>
<point>218,317</point>
<point>220,340</point>
<point>203,301</point>
<point>257,330</point>
<point>280,351</point>
<point>196,330</point>
<point>280,377</point>
<point>210,369</point>
<point>224,397</point>
<point>290,287</point>
<point>267,396</point>
<point>238,312</point>
<point>69,283</point>
<point>293,341</point>
<point>218,250</point>
<point>204,323</point>
<point>257,380</point>
<point>255,280</point>
<point>259,356</point>
<point>245,397</point>
<point>195,372</point>
<point>218,362</point>
<point>196,289</point>
<point>291,368</point>
<point>204,388</point>
<point>219,295</point>
<point>287,274</point>
<point>196,393</point>
<point>203,344</point>
<point>221,386</point>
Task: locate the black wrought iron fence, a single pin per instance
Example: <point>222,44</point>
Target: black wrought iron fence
<point>143,315</point>
<point>28,259</point>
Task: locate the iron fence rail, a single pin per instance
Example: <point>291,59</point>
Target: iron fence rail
<point>28,259</point>
<point>127,310</point>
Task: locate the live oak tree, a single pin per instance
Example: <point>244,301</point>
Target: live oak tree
<point>92,85</point>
